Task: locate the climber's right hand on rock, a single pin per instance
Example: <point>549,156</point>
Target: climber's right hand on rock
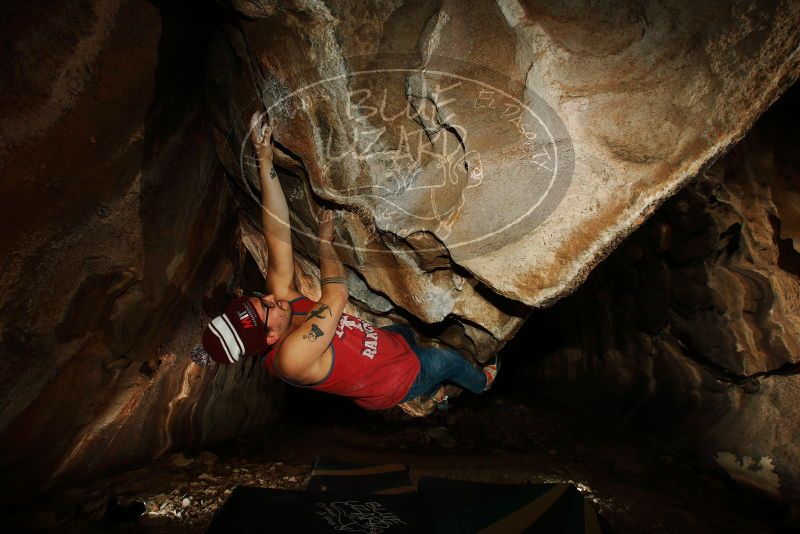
<point>326,229</point>
<point>261,136</point>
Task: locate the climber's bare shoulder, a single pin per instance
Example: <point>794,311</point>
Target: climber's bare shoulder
<point>303,357</point>
<point>305,351</point>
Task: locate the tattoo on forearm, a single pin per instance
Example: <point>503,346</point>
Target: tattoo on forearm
<point>319,313</point>
<point>314,334</point>
<point>333,280</point>
<point>272,173</point>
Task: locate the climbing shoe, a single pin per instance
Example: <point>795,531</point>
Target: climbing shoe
<point>440,398</point>
<point>490,370</point>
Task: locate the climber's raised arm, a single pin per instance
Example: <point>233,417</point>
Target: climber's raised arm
<point>301,354</point>
<point>275,221</point>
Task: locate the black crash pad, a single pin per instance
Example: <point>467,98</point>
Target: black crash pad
<point>456,506</point>
<point>345,477</point>
<point>250,509</point>
<point>378,499</point>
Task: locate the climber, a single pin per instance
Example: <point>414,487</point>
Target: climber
<point>313,344</point>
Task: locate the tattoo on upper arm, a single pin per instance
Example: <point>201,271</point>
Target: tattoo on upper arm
<point>316,333</point>
<point>319,312</point>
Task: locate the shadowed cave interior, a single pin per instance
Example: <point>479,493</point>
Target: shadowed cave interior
<point>647,325</point>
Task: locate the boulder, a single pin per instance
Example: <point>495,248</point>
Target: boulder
<point>483,157</point>
<point>722,369</point>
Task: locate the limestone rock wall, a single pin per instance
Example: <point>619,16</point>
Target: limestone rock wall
<point>692,325</point>
<point>632,100</point>
<point>493,155</point>
<point>117,230</point>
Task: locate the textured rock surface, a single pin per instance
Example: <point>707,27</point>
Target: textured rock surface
<point>693,323</point>
<point>644,96</point>
<point>115,221</point>
<point>121,232</point>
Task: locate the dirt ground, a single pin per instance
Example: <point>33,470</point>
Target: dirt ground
<point>639,483</point>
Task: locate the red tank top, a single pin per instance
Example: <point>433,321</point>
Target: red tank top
<point>374,367</point>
